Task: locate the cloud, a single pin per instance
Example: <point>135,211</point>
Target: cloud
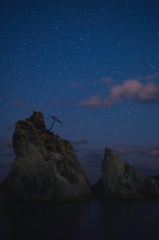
<point>96,101</point>
<point>148,151</point>
<point>153,152</point>
<point>129,89</point>
<point>90,157</point>
<point>19,102</point>
<point>143,158</point>
<point>151,77</point>
<point>136,90</point>
<point>107,80</point>
<point>130,150</point>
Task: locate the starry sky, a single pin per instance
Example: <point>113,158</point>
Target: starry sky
<point>94,65</point>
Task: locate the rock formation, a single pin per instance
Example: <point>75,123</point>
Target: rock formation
<point>120,180</point>
<point>45,168</point>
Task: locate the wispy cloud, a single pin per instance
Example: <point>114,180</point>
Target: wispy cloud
<point>130,89</point>
<point>107,80</point>
<point>92,157</point>
<point>19,102</point>
<point>153,152</point>
<point>148,151</point>
<point>151,77</point>
<point>96,101</point>
<point>143,158</point>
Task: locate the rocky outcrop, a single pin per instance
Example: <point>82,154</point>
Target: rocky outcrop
<point>45,168</point>
<point>120,180</point>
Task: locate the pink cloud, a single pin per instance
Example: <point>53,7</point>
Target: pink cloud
<point>136,90</point>
<point>129,89</point>
<point>107,80</point>
<point>148,151</point>
<point>96,102</point>
<point>123,149</point>
<point>19,102</point>
<point>153,152</point>
<point>151,76</point>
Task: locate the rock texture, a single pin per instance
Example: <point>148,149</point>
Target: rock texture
<point>120,180</point>
<point>45,168</point>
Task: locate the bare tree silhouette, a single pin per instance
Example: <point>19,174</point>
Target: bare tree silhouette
<point>55,119</point>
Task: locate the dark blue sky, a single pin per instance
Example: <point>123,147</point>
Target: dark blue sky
<point>94,65</point>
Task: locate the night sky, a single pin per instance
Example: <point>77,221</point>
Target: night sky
<point>94,65</point>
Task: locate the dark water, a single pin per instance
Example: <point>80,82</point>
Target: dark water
<point>131,220</point>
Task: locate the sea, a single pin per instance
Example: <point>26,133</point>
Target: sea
<point>83,220</point>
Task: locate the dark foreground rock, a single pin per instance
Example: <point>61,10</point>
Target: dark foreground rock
<point>120,180</point>
<point>45,168</point>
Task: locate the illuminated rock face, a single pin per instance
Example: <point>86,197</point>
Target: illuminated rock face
<point>45,167</point>
<point>120,180</point>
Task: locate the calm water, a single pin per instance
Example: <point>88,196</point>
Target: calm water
<point>131,220</point>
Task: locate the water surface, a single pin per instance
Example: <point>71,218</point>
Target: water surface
<point>110,219</point>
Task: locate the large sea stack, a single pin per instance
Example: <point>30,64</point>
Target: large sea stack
<point>45,167</point>
<point>121,180</point>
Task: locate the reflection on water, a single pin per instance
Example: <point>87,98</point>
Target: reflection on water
<point>131,219</point>
<point>111,219</point>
